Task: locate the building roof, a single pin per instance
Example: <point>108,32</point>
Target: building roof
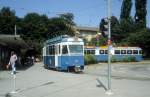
<point>87,28</point>
<point>12,41</point>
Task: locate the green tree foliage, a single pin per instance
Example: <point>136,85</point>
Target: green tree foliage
<point>68,17</point>
<point>34,27</point>
<point>34,30</point>
<point>115,29</point>
<point>126,9</point>
<point>131,31</point>
<point>60,26</point>
<point>141,39</point>
<point>141,12</point>
<point>126,27</point>
<point>101,41</point>
<point>7,21</point>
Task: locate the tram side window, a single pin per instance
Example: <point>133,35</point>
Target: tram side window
<point>106,51</point>
<point>85,51</point>
<point>135,51</point>
<point>47,50</point>
<point>64,49</point>
<point>129,51</point>
<point>101,51</point>
<point>92,51</point>
<point>117,51</point>
<point>51,50</point>
<point>140,51</point>
<point>89,51</point>
<point>59,49</point>
<point>123,52</point>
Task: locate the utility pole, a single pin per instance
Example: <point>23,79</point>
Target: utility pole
<point>109,91</point>
<point>15,30</point>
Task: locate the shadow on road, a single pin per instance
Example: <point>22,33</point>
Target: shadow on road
<point>101,84</point>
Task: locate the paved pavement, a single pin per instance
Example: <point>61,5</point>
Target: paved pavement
<point>128,80</point>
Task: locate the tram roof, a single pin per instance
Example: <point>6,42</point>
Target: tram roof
<point>64,38</point>
<point>105,47</point>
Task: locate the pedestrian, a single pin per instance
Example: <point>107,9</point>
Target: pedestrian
<point>32,60</point>
<point>12,62</point>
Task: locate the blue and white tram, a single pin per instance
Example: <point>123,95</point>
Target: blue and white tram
<point>119,53</point>
<point>64,53</point>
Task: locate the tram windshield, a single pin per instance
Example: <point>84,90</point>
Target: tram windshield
<point>76,49</point>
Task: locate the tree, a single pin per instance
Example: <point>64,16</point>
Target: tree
<point>125,9</point>
<point>115,29</point>
<point>61,25</point>
<point>34,26</point>
<point>34,29</point>
<point>141,12</point>
<point>68,17</point>
<point>141,39</point>
<point>7,21</point>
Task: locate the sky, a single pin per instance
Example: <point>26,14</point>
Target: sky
<point>86,12</point>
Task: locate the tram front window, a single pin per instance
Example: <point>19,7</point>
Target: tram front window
<point>76,49</point>
<point>64,49</point>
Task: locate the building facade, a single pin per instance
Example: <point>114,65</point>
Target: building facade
<point>87,32</point>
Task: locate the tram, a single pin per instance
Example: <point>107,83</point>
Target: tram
<point>119,53</point>
<point>64,53</point>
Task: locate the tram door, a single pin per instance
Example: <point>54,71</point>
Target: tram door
<point>56,55</point>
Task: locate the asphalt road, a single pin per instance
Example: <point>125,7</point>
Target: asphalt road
<point>128,80</point>
<point>131,71</point>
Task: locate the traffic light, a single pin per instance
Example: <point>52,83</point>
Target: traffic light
<point>104,27</point>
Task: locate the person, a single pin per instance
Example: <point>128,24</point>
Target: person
<point>12,62</point>
<point>32,60</point>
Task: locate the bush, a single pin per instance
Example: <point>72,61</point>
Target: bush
<point>89,59</point>
<point>114,59</point>
<point>125,59</point>
<point>129,59</point>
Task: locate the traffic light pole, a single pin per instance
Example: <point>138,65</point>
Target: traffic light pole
<point>109,91</point>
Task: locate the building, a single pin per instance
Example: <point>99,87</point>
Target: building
<point>10,43</point>
<point>87,32</point>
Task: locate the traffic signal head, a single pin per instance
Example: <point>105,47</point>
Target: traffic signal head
<point>104,27</point>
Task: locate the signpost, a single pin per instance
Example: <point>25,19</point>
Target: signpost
<point>14,80</point>
<point>14,84</point>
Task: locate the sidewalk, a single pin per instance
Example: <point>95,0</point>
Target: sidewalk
<point>39,82</point>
